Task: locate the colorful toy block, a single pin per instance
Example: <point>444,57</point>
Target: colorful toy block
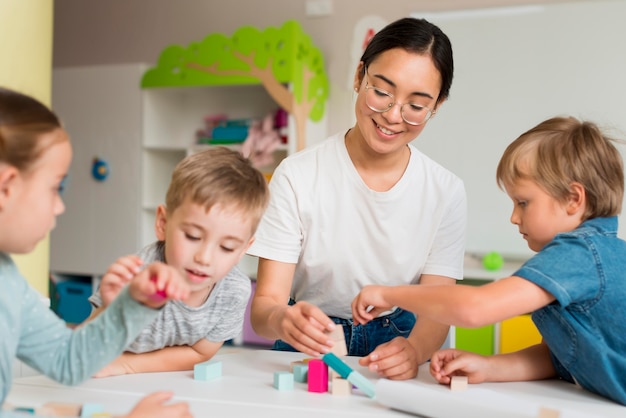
<point>339,348</point>
<point>89,409</point>
<point>458,383</point>
<point>207,370</point>
<point>317,376</point>
<point>341,387</point>
<point>60,409</point>
<point>283,380</point>
<point>346,372</point>
<point>300,372</point>
<point>548,413</point>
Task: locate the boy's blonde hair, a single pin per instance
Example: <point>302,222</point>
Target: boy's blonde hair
<point>563,150</point>
<point>222,176</point>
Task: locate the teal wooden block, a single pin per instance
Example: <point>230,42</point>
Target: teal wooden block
<point>283,380</point>
<point>89,409</point>
<point>300,372</point>
<point>207,370</point>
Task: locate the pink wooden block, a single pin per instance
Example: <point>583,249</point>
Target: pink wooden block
<point>317,376</point>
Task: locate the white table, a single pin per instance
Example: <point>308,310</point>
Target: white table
<point>246,389</point>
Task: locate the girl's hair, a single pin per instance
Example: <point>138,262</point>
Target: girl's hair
<point>563,150</point>
<point>418,36</point>
<point>23,120</point>
<point>222,176</point>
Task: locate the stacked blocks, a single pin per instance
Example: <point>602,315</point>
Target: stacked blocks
<point>283,380</point>
<point>207,370</point>
<point>317,376</point>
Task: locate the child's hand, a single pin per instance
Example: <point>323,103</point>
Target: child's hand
<point>117,276</point>
<point>116,368</point>
<point>153,406</point>
<point>369,303</point>
<point>452,362</point>
<point>157,284</point>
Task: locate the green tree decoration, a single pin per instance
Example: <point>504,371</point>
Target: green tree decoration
<point>283,60</point>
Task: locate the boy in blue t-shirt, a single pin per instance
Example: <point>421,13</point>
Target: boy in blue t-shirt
<point>566,180</point>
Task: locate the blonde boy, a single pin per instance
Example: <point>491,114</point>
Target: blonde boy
<point>213,206</point>
<point>566,181</point>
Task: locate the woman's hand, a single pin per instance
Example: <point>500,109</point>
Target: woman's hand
<point>305,327</point>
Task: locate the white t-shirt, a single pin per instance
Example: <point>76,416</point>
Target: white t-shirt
<point>343,235</point>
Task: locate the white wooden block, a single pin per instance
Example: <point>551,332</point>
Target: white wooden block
<point>458,383</point>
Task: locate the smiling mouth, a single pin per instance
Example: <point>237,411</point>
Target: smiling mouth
<point>385,130</point>
<point>196,276</point>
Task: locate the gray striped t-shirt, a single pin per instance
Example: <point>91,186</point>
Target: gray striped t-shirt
<point>219,319</point>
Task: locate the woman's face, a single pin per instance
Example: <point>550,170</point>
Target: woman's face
<point>410,78</point>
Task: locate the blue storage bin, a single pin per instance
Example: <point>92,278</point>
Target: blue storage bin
<point>69,297</point>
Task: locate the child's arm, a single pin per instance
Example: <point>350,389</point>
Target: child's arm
<point>532,363</point>
<point>168,359</point>
<point>460,305</point>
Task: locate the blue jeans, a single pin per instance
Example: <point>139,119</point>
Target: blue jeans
<point>363,339</point>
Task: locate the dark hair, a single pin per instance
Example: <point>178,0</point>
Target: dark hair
<point>23,120</point>
<point>419,36</point>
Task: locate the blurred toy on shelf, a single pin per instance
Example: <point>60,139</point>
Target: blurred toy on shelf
<point>263,139</point>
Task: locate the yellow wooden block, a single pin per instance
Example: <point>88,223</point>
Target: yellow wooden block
<point>548,413</point>
<point>518,333</point>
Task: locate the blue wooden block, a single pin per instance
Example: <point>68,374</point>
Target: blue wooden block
<point>207,370</point>
<point>283,380</point>
<point>300,372</point>
<point>89,409</point>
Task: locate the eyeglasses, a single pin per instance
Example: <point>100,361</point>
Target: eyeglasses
<point>381,101</point>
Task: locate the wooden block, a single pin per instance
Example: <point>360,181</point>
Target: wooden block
<point>300,372</point>
<point>90,409</point>
<point>207,370</point>
<point>296,363</point>
<point>458,383</point>
<point>339,348</point>
<point>60,409</point>
<point>283,380</point>
<point>340,387</point>
<point>317,376</point>
<point>548,413</point>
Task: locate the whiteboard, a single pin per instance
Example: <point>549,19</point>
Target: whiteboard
<point>515,67</point>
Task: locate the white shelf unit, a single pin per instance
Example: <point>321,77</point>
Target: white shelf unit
<point>142,134</point>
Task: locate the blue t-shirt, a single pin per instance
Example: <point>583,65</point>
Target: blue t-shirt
<point>585,327</point>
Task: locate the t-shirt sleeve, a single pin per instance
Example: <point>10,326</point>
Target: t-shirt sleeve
<point>279,235</point>
<point>448,248</point>
<point>564,267</point>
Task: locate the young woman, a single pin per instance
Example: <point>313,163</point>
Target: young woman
<point>366,207</point>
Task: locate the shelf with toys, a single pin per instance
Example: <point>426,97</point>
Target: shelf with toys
<point>140,121</point>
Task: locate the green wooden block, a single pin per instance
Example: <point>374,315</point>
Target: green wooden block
<point>477,340</point>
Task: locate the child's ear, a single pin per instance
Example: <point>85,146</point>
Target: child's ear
<point>246,249</point>
<point>8,176</point>
<point>577,198</point>
<point>160,222</point>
